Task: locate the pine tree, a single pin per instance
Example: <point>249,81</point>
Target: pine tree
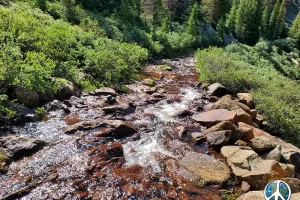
<point>42,4</point>
<point>159,12</point>
<point>231,18</point>
<point>295,29</point>
<point>221,27</point>
<point>71,13</point>
<point>273,18</point>
<point>165,27</point>
<point>265,22</point>
<point>215,9</point>
<point>192,23</point>
<point>248,20</point>
<point>280,22</point>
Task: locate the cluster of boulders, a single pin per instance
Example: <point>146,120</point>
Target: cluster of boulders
<point>254,156</point>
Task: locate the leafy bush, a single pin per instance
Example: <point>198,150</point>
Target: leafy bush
<point>241,68</point>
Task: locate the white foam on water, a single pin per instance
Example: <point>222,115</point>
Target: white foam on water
<point>141,151</point>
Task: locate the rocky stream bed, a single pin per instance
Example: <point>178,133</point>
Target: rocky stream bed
<point>168,137</point>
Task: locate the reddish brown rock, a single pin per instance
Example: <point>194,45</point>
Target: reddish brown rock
<point>214,117</point>
<point>248,97</point>
<point>72,119</point>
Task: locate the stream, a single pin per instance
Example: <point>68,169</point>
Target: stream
<point>93,163</point>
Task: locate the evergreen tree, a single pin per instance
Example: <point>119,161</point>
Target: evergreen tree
<point>248,20</point>
<point>231,18</point>
<point>213,10</point>
<point>71,13</point>
<point>42,4</point>
<point>265,22</point>
<point>192,23</point>
<point>221,27</point>
<point>273,18</point>
<point>159,12</point>
<point>165,27</point>
<point>131,10</point>
<point>280,22</point>
<point>295,29</point>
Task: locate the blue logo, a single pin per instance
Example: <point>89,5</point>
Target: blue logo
<point>278,190</point>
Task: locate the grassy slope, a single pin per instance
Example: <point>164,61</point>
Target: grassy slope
<point>243,68</point>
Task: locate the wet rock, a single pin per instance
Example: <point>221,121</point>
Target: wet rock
<point>214,117</point>
<point>219,139</point>
<point>118,108</point>
<point>248,97</point>
<point>76,101</point>
<point>274,154</point>
<point>27,97</point>
<point>245,187</point>
<point>198,136</point>
<point>52,106</point>
<point>122,128</point>
<point>261,144</point>
<point>67,103</point>
<point>217,89</point>
<point>138,88</point>
<point>105,91</point>
<point>67,89</point>
<point>18,146</point>
<point>226,103</point>
<point>205,167</point>
<point>84,125</point>
<point>72,119</point>
<point>180,130</point>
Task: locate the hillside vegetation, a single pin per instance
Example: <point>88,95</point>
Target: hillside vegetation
<point>95,43</point>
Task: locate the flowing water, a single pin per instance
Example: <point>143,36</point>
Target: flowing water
<point>74,167</point>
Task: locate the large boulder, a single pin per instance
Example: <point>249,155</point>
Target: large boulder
<point>248,97</point>
<point>227,103</point>
<point>214,117</point>
<point>18,146</point>
<point>27,97</point>
<point>247,166</point>
<point>66,89</point>
<point>207,168</point>
<point>217,89</point>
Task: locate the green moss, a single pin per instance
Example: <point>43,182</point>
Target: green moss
<point>149,82</point>
<point>3,156</point>
<point>165,67</point>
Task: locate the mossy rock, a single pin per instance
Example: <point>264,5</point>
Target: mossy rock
<point>165,67</point>
<point>3,155</point>
<point>149,82</point>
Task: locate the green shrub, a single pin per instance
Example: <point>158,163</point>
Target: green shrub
<point>242,69</point>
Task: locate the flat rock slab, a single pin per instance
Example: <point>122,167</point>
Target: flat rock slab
<point>18,146</point>
<point>214,117</point>
<point>207,168</point>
